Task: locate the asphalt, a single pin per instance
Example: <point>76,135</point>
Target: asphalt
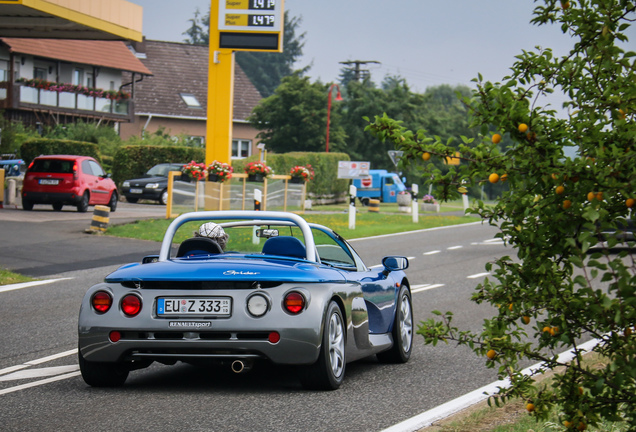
<point>43,242</point>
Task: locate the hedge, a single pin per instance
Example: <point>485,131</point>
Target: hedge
<point>133,161</point>
<point>31,149</point>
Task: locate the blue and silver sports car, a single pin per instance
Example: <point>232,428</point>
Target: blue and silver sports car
<point>281,290</point>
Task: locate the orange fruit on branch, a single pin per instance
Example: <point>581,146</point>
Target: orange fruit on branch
<point>567,204</point>
<point>491,354</point>
<point>496,138</point>
<point>493,178</point>
<point>426,156</point>
<point>559,190</point>
<point>523,128</point>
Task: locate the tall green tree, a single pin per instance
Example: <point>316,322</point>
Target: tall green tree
<point>199,31</point>
<point>294,118</point>
<point>558,291</point>
<point>264,69</point>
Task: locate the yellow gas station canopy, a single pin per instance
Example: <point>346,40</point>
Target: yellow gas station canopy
<point>71,19</point>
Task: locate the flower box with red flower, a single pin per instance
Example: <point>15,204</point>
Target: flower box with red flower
<point>301,174</point>
<point>257,171</point>
<point>219,171</point>
<point>194,170</point>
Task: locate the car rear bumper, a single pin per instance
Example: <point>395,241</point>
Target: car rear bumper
<point>51,197</point>
<point>239,336</point>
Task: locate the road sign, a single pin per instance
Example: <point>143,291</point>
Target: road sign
<point>395,156</point>
<point>353,169</point>
<point>366,181</point>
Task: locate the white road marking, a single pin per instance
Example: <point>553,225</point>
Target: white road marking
<point>18,286</point>
<point>39,383</point>
<point>39,373</point>
<point>432,252</point>
<point>454,247</point>
<point>477,275</point>
<point>425,287</point>
<point>38,361</point>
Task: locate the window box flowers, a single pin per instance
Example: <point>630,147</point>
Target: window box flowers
<point>257,171</point>
<point>196,171</point>
<point>219,171</point>
<point>301,174</point>
<point>72,88</point>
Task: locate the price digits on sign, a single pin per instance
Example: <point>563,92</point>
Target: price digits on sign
<point>262,20</point>
<point>263,4</point>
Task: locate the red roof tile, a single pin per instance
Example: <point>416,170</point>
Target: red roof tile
<point>111,54</point>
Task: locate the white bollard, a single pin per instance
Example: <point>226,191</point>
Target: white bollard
<point>414,211</point>
<point>352,206</point>
<point>11,191</point>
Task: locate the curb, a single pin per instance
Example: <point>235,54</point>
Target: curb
<point>454,406</point>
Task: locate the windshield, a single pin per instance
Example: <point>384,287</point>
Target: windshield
<point>162,170</point>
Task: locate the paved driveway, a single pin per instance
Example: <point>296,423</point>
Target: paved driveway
<point>43,242</point>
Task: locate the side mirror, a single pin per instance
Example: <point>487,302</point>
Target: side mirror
<point>393,263</point>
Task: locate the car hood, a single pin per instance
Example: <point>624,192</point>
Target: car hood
<point>229,269</point>
<point>146,180</point>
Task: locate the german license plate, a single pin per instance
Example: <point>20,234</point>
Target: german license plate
<point>137,191</point>
<point>215,306</point>
<point>49,181</point>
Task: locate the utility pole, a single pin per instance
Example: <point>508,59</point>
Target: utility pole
<point>357,71</point>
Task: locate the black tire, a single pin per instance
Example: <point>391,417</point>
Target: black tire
<point>26,204</point>
<point>163,199</point>
<point>329,370</point>
<point>97,374</point>
<point>132,200</point>
<point>114,198</point>
<point>58,206</point>
<point>82,206</point>
<point>364,201</point>
<point>402,331</point>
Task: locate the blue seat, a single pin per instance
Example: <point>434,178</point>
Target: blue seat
<point>198,246</point>
<point>285,246</point>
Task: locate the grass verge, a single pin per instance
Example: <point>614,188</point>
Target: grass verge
<point>513,417</point>
<point>367,225</point>
<point>7,278</point>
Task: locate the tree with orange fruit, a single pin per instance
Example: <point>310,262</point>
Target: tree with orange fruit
<point>561,291</point>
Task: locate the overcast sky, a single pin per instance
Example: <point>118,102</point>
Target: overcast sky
<point>428,42</point>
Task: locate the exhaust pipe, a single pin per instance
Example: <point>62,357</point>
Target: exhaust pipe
<point>240,366</point>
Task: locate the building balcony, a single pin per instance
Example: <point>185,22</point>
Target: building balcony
<point>19,97</point>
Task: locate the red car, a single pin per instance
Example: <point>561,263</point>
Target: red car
<point>68,180</point>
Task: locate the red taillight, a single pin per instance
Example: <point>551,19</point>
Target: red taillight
<point>274,337</point>
<point>101,301</point>
<point>294,302</point>
<point>75,171</point>
<point>131,305</point>
<point>114,336</point>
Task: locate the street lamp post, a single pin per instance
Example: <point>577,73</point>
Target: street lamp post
<point>338,99</point>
